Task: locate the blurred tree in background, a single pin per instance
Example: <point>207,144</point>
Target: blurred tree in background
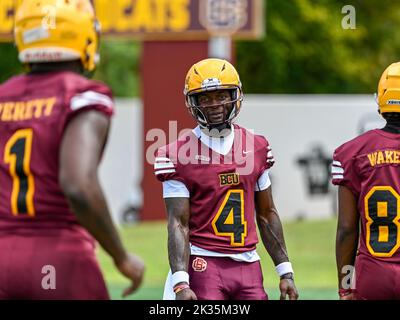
<point>9,64</point>
<point>119,66</point>
<point>305,50</point>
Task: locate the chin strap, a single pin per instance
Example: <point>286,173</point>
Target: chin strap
<point>216,131</point>
<point>219,127</point>
<point>392,127</point>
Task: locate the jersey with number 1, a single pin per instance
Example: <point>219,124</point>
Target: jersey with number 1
<point>34,112</point>
<point>221,197</point>
<point>369,166</point>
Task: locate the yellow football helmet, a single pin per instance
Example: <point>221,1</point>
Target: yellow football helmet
<point>388,96</point>
<point>211,75</point>
<point>57,30</point>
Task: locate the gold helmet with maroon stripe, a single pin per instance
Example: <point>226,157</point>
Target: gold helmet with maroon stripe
<point>388,96</point>
<point>210,75</point>
<point>57,30</point>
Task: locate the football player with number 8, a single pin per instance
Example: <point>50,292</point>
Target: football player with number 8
<point>366,169</point>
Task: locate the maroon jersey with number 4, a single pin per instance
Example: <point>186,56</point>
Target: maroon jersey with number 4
<point>34,111</point>
<point>221,188</point>
<point>369,166</point>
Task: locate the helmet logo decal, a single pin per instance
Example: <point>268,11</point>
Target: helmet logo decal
<point>210,83</point>
<point>394,101</point>
<point>35,34</point>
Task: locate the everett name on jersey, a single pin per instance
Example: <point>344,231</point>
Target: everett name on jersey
<point>221,193</point>
<point>34,111</point>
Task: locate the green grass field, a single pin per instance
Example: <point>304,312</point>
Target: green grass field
<point>310,244</point>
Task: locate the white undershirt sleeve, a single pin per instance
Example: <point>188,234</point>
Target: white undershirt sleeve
<point>175,189</point>
<point>263,182</point>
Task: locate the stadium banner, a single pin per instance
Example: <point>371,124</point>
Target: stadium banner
<point>165,19</point>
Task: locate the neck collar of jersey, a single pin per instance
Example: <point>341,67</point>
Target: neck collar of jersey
<point>221,145</point>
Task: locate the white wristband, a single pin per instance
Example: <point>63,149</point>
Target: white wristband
<point>179,276</point>
<point>283,268</point>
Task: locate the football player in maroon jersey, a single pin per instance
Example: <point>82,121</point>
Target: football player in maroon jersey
<point>53,128</point>
<point>214,179</point>
<point>366,169</point>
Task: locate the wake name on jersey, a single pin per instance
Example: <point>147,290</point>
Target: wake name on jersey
<point>26,110</point>
<point>384,157</point>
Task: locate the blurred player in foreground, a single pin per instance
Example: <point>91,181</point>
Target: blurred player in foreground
<point>368,174</point>
<point>53,129</point>
<point>214,179</point>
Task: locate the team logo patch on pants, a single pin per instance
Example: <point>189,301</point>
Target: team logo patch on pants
<point>199,264</point>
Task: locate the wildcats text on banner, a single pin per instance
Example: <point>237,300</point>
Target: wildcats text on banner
<point>164,19</point>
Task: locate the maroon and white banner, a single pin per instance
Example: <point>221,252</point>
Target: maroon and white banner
<point>166,19</point>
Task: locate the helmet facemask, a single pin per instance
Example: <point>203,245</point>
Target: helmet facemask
<point>231,108</point>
